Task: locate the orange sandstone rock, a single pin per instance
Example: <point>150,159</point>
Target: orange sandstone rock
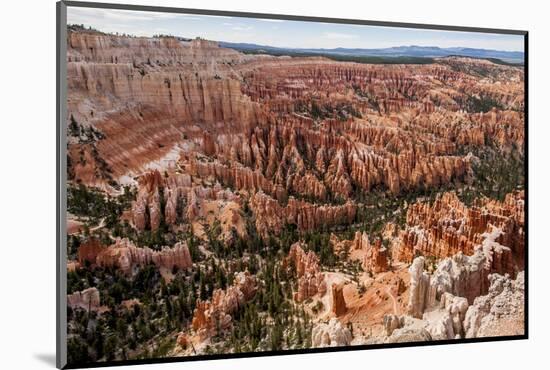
<point>306,267</point>
<point>213,315</point>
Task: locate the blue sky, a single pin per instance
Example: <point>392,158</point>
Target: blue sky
<point>293,34</point>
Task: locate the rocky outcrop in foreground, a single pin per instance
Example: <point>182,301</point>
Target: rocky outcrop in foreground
<point>331,334</point>
<point>451,304</point>
<point>460,275</point>
<point>409,333</point>
<point>501,311</point>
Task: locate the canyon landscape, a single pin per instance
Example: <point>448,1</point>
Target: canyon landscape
<point>223,199</point>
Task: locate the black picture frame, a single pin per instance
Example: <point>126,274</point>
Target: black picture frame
<point>61,194</point>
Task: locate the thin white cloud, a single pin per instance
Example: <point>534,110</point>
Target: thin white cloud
<point>91,15</point>
<point>238,26</point>
<point>241,28</point>
<point>269,20</point>
<point>216,16</point>
<point>117,15</point>
<point>188,17</point>
<point>340,36</point>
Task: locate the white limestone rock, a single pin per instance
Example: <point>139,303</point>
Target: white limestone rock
<point>331,334</point>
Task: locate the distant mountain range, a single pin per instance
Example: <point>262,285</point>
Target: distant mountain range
<point>397,51</point>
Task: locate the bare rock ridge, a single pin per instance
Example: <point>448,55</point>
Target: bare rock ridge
<point>271,216</point>
<point>109,49</point>
<point>125,256</point>
<point>499,312</point>
<point>460,275</point>
<point>462,298</point>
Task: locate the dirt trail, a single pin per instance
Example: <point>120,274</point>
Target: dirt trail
<point>99,226</point>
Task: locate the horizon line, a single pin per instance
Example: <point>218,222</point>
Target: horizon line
<point>155,35</point>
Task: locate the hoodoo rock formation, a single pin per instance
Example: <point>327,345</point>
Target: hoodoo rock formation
<point>375,259</point>
<point>460,275</point>
<point>213,315</point>
<point>185,202</point>
<point>309,126</point>
<point>392,322</point>
<point>338,303</point>
<point>146,208</point>
<point>440,312</point>
<point>305,265</point>
<point>125,256</point>
<point>88,299</point>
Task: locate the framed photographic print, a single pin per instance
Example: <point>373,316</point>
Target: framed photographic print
<point>236,184</point>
